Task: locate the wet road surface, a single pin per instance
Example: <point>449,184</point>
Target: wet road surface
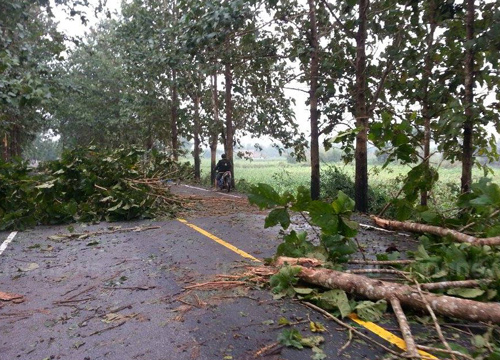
<point>122,295</point>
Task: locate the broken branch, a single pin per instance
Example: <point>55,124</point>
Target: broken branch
<point>411,348</point>
<point>454,284</point>
<point>349,327</point>
<point>435,320</point>
<point>374,289</point>
<point>381,262</point>
<point>215,284</point>
<point>436,230</point>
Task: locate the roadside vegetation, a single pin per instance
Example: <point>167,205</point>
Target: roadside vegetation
<point>385,182</point>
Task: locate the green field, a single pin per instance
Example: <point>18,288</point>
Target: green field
<point>285,176</point>
<point>277,172</point>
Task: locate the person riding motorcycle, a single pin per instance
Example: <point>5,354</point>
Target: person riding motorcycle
<point>222,166</point>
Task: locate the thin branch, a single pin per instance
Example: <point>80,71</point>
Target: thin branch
<point>434,318</point>
<point>215,284</point>
<point>311,225</point>
<point>377,271</point>
<point>411,348</point>
<point>494,213</point>
<point>381,262</point>
<point>454,284</point>
<point>295,89</point>
<point>452,352</point>
<point>349,327</point>
<point>346,344</point>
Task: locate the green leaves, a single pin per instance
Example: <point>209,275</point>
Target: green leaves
<point>333,219</point>
<point>295,245</point>
<point>284,281</point>
<point>85,185</point>
<point>291,338</point>
<point>370,311</point>
<point>334,300</point>
<point>265,197</point>
<point>278,216</point>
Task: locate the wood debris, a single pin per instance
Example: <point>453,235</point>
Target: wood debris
<point>375,289</point>
<point>85,235</point>
<point>436,230</point>
<point>11,297</point>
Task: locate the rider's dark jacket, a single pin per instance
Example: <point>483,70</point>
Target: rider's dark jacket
<point>223,165</point>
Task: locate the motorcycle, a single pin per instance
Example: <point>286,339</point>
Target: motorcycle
<point>224,183</point>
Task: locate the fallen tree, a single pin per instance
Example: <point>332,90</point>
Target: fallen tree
<point>89,185</point>
<point>407,295</point>
<point>435,230</point>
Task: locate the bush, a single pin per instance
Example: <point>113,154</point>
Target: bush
<point>334,180</point>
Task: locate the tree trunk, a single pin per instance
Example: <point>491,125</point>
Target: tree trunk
<point>467,147</point>
<point>426,104</point>
<point>214,133</point>
<point>197,142</point>
<point>228,77</point>
<point>16,141</point>
<point>5,148</point>
<point>361,112</point>
<point>313,101</point>
<point>436,230</point>
<point>173,119</point>
<point>408,296</point>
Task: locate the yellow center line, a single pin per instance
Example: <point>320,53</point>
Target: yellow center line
<point>220,241</point>
<point>377,330</point>
<point>386,335</point>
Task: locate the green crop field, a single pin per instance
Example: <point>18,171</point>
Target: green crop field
<point>384,181</point>
<point>277,172</point>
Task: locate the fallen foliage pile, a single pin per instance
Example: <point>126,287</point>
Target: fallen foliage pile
<point>89,185</point>
<point>450,275</point>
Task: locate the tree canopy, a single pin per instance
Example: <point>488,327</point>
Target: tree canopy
<point>397,74</point>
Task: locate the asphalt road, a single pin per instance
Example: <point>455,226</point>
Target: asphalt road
<point>122,295</point>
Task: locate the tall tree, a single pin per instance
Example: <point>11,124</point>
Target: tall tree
<point>468,128</point>
<point>361,112</point>
<point>313,101</point>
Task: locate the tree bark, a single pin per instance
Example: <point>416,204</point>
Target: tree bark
<point>436,230</point>
<point>443,285</point>
<point>408,296</point>
<point>411,348</point>
<point>228,77</point>
<point>426,104</point>
<point>313,102</point>
<point>361,113</point>
<point>173,118</point>
<point>468,147</point>
<point>5,148</point>
<point>214,133</point>
<point>197,142</point>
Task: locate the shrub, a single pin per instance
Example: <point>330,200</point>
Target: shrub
<point>334,180</point>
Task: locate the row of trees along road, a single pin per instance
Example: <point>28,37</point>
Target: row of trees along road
<point>400,74</point>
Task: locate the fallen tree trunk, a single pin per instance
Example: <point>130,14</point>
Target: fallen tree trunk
<point>436,230</point>
<point>407,295</point>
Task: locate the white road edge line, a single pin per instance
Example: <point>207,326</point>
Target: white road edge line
<point>11,237</point>
<point>194,187</point>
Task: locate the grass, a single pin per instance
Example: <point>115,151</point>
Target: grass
<point>285,176</point>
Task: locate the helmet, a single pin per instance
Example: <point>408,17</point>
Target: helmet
<point>223,156</point>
